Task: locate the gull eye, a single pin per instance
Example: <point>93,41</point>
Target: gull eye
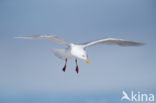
<point>83,55</point>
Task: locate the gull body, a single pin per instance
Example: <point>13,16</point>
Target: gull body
<point>73,51</point>
<point>78,51</point>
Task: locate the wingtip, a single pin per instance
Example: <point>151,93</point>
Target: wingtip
<point>141,44</point>
<point>17,37</point>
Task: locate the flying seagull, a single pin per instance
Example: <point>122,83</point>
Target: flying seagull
<point>77,51</point>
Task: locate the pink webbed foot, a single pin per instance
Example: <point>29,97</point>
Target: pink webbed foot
<point>64,68</point>
<point>77,68</point>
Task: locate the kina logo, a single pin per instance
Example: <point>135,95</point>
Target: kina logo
<point>137,97</point>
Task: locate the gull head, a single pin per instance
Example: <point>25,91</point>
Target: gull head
<point>84,57</point>
<point>79,52</point>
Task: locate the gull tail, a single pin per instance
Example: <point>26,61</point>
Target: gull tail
<point>60,53</point>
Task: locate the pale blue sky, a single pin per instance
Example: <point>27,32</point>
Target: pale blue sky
<point>29,70</point>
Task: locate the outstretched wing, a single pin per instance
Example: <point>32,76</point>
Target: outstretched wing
<point>48,37</point>
<point>119,42</point>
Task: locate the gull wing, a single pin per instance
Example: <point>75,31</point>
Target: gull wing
<point>114,41</point>
<point>48,37</point>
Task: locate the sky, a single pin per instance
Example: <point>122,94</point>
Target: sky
<point>29,72</point>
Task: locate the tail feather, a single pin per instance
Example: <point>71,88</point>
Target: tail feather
<point>60,53</point>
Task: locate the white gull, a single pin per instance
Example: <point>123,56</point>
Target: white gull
<point>78,50</point>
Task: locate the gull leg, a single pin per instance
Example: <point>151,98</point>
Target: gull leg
<point>77,68</point>
<point>64,68</point>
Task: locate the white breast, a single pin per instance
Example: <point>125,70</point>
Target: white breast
<point>77,50</point>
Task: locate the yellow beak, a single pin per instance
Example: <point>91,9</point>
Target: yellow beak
<point>87,61</point>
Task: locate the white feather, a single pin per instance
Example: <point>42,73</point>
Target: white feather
<point>78,51</point>
<point>48,37</point>
<point>119,42</point>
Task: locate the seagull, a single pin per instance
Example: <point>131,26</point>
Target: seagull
<point>78,51</point>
